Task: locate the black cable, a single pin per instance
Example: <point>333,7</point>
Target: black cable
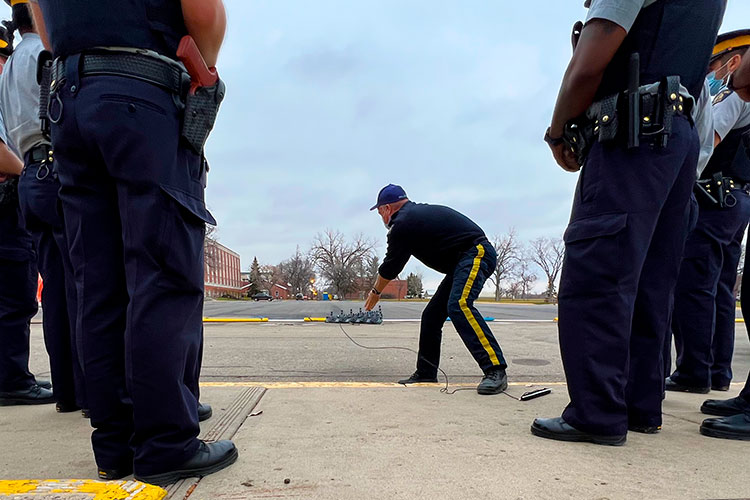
<point>444,390</point>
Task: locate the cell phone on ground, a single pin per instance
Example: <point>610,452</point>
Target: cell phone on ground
<point>526,396</point>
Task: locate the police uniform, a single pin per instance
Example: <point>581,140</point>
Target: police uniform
<point>627,228</point>
<point>37,191</point>
<point>132,197</point>
<point>704,314</point>
<point>18,284</point>
<point>450,243</point>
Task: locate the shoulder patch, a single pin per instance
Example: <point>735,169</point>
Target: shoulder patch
<point>722,95</point>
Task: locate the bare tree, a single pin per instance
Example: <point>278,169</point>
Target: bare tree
<point>210,243</point>
<point>508,250</point>
<point>297,271</point>
<point>340,262</point>
<point>525,277</point>
<point>548,254</point>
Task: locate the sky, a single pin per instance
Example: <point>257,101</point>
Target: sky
<point>329,100</point>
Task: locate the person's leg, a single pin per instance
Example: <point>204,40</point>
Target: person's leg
<point>38,200</point>
<point>431,330</point>
<point>468,280</point>
<point>722,347</point>
<point>653,306</point>
<point>618,203</point>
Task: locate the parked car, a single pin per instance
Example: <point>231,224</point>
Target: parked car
<point>299,296</point>
<point>262,296</point>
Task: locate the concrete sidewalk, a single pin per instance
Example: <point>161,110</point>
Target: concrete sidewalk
<point>385,441</point>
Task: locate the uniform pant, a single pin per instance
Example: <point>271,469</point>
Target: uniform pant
<point>18,284</point>
<point>704,311</point>
<point>623,247</point>
<point>134,215</point>
<point>38,195</point>
<point>455,298</point>
<point>745,304</point>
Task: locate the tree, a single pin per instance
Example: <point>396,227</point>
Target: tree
<point>414,285</point>
<point>548,254</point>
<point>256,279</point>
<point>210,243</point>
<point>525,278</point>
<point>297,271</point>
<point>270,276</point>
<point>341,263</point>
<point>507,249</point>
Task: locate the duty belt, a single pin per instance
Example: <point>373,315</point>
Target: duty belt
<point>127,64</point>
<point>717,191</point>
<point>608,119</point>
<point>40,153</point>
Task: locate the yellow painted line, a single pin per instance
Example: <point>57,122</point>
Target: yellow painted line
<point>315,320</point>
<point>739,320</point>
<point>235,320</point>
<point>111,490</point>
<point>351,385</point>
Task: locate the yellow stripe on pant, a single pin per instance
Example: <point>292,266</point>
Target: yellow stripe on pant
<point>467,312</point>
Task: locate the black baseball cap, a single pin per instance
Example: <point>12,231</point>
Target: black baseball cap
<point>390,194</point>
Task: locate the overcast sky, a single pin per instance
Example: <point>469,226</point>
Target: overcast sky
<point>329,100</point>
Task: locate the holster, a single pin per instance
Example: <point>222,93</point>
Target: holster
<point>44,79</point>
<point>715,192</point>
<point>9,193</point>
<point>201,109</point>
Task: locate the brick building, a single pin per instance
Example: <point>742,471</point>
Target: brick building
<point>280,292</point>
<point>222,271</point>
<point>395,289</point>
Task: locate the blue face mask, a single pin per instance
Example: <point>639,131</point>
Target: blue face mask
<point>715,84</point>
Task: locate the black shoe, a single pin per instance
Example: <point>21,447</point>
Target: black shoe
<point>85,413</point>
<point>417,378</point>
<point>204,412</point>
<point>671,385</point>
<point>645,429</point>
<point>210,458</point>
<point>115,474</point>
<point>723,388</point>
<point>734,427</point>
<point>66,407</point>
<point>559,429</point>
<point>34,395</point>
<point>725,407</point>
<point>494,382</point>
<point>45,384</point>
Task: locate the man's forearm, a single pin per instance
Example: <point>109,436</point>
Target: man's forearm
<point>206,22</point>
<point>381,283</point>
<point>9,163</point>
<point>598,43</point>
<point>41,28</point>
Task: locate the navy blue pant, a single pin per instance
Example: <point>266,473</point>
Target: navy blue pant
<point>745,304</point>
<point>135,220</point>
<point>38,197</point>
<point>18,284</point>
<point>623,247</point>
<point>455,298</point>
<point>704,310</point>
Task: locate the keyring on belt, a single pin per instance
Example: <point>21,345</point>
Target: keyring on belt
<point>46,171</point>
<point>727,199</point>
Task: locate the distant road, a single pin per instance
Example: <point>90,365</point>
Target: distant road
<point>299,309</point>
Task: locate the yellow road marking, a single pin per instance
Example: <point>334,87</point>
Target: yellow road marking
<point>235,320</point>
<point>111,490</point>
<point>465,308</point>
<point>351,385</point>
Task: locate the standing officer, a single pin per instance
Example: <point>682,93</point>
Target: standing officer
<point>132,196</point>
<point>18,279</point>
<point>450,243</point>
<point>734,412</point>
<point>37,193</point>
<point>704,310</point>
<point>625,118</point>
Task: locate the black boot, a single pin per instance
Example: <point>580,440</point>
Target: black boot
<point>734,427</point>
<point>210,458</point>
<point>725,407</point>
<point>34,395</point>
<point>418,378</point>
<point>204,412</point>
<point>494,382</point>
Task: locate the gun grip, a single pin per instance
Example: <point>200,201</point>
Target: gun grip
<point>200,74</point>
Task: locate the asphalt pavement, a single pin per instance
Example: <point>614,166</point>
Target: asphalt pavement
<point>392,309</point>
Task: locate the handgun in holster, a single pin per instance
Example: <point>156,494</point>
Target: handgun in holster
<point>44,79</point>
<point>204,97</point>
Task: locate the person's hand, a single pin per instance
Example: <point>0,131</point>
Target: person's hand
<point>564,157</point>
<point>372,300</point>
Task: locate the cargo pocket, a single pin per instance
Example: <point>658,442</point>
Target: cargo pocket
<point>594,254</point>
<point>190,204</point>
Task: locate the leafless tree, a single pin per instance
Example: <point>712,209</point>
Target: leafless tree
<point>548,254</point>
<point>508,253</point>
<point>340,262</point>
<point>525,277</point>
<point>210,242</point>
<point>297,271</point>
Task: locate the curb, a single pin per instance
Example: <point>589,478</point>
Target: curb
<point>97,490</point>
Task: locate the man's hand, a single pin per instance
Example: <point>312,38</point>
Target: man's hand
<point>372,300</point>
<point>564,157</point>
